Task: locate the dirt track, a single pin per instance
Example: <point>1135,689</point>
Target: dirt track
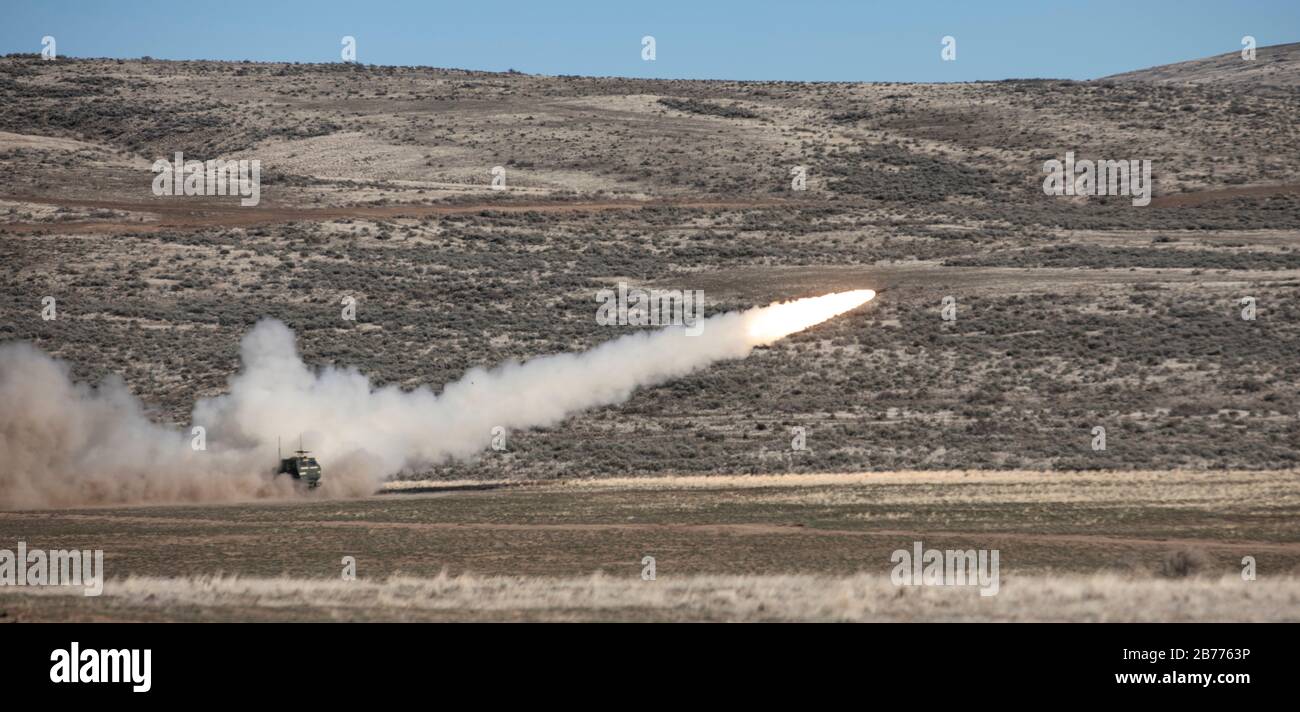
<point>765,529</point>
<point>182,215</point>
<point>1202,197</point>
<point>196,215</point>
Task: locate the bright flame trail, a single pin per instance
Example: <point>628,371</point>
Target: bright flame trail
<point>65,444</point>
<point>767,324</point>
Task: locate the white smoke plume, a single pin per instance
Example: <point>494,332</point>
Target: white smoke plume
<point>67,444</point>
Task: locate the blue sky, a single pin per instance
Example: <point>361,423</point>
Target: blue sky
<point>724,39</point>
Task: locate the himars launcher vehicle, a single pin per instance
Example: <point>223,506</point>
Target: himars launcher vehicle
<point>302,466</point>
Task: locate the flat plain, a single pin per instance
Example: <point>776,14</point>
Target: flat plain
<point>1071,546</point>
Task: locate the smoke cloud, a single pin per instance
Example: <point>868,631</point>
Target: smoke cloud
<point>66,444</point>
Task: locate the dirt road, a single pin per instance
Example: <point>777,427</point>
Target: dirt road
<point>195,214</point>
<point>188,214</point>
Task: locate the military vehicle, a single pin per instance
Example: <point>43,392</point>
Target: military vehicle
<point>302,466</point>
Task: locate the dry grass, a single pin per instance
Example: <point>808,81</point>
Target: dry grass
<point>1073,546</point>
<point>1144,478</point>
<point>862,597</point>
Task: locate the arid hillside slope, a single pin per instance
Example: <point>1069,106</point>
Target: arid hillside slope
<point>1069,312</point>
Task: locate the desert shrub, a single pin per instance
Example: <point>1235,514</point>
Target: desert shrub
<point>1183,563</point>
<point>695,106</point>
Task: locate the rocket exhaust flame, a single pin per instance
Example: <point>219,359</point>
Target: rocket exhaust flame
<point>767,324</point>
<point>64,444</point>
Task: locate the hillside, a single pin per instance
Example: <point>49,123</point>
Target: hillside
<point>1072,312</point>
<point>1276,66</point>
